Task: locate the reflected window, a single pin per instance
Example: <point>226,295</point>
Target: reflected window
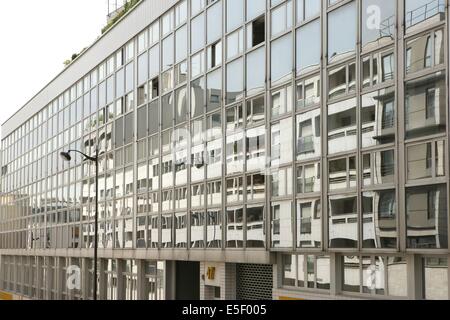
<point>425,52</point>
<point>197,229</point>
<point>281,182</point>
<point>426,161</point>
<point>281,101</point>
<point>343,221</point>
<point>342,173</point>
<point>417,12</point>
<point>378,118</point>
<point>214,228</point>
<point>342,126</point>
<point>308,178</point>
<point>308,135</point>
<point>255,232</point>
<point>425,106</point>
<point>281,228</point>
<point>309,223</point>
<point>426,210</point>
<point>380,30</point>
<point>198,90</point>
<point>214,90</point>
<point>235,227</point>
<point>308,92</point>
<point>379,221</point>
<point>341,80</point>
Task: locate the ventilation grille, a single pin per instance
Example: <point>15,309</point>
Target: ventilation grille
<point>254,282</point>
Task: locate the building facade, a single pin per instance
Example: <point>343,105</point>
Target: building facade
<point>249,149</point>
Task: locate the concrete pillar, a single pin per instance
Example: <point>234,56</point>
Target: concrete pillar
<point>102,279</point>
<point>141,281</point>
<point>415,277</point>
<point>336,272</point>
<point>121,265</point>
<point>85,278</point>
<point>229,292</point>
<point>170,280</point>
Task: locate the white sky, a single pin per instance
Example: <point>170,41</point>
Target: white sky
<point>37,36</point>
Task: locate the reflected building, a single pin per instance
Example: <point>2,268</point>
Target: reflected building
<point>249,150</point>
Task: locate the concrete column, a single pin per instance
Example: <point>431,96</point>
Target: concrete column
<point>336,272</point>
<point>415,277</point>
<point>170,280</point>
<point>141,280</point>
<point>230,282</point>
<point>84,278</point>
<point>102,279</point>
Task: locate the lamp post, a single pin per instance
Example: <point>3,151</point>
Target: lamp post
<point>66,157</point>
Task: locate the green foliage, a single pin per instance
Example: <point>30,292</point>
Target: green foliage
<point>127,7</point>
<point>74,56</point>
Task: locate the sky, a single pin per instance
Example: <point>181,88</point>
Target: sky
<point>37,37</point>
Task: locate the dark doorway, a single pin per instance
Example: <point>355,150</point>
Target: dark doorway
<point>187,280</point>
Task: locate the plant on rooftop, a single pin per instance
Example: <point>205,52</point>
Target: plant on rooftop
<point>127,7</point>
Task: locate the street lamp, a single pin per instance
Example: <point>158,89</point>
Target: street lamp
<point>67,157</point>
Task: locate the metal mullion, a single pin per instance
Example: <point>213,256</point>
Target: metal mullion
<point>400,141</point>
<point>188,124</point>
<point>358,73</point>
<point>324,129</point>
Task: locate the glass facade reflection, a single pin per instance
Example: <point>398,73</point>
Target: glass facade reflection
<point>272,132</point>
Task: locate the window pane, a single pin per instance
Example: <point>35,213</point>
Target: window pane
<point>235,44</point>
<point>281,62</point>
<point>426,210</point>
<point>197,33</point>
<point>416,12</point>
<point>309,224</point>
<point>420,161</point>
<point>181,44</point>
<point>255,226</point>
<point>425,107</point>
<point>435,272</point>
<point>256,75</point>
<point>214,28</point>
<point>308,135</point>
<point>154,60</point>
<point>379,219</point>
<point>308,46</point>
<point>378,22</point>
<point>235,227</point>
<point>197,97</point>
<point>378,118</point>
<point>235,83</point>
<point>235,14</point>
<point>342,31</point>
<point>255,8</point>
<point>342,126</point>
<point>343,221</point>
<point>168,52</point>
<point>214,89</point>
<point>282,226</point>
